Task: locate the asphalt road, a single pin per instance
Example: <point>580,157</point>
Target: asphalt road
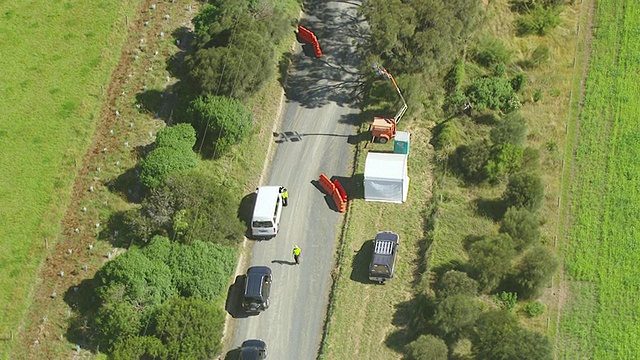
<point>313,138</point>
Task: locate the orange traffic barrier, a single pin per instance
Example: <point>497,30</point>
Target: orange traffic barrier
<point>341,192</point>
<point>337,198</point>
<point>326,184</point>
<point>308,36</point>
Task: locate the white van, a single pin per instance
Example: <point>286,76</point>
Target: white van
<point>266,212</point>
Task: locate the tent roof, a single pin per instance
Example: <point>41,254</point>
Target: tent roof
<point>385,166</point>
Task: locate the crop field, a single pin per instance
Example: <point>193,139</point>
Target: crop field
<point>600,320</point>
<point>55,58</point>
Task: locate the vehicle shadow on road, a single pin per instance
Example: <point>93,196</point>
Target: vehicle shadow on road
<point>232,355</point>
<point>360,263</point>
<point>234,299</point>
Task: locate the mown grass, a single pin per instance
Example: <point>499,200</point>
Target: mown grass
<point>602,252</point>
<point>55,58</point>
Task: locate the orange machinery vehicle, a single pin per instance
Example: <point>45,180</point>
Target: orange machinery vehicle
<point>383,129</point>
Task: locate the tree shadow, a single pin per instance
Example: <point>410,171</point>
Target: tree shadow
<point>233,305</point>
<point>493,209</point>
<point>128,185</point>
<point>360,263</point>
<point>411,318</point>
<point>116,231</point>
<point>80,298</point>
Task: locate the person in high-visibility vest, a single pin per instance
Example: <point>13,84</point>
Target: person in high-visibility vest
<point>296,254</point>
<point>285,195</point>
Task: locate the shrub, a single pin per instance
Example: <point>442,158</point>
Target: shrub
<point>427,347</point>
<point>220,121</point>
<point>471,160</point>
<point>455,314</point>
<point>447,134</point>
<point>139,347</point>
<point>523,227</point>
<point>456,283</point>
<point>117,320</point>
<point>493,93</point>
<point>534,309</point>
<point>540,56</point>
<point>186,208</point>
<point>524,190</point>
<point>165,161</point>
<point>455,77</point>
<point>491,51</point>
<point>534,272</point>
<point>506,300</point>
<point>537,96</point>
<point>518,81</point>
<point>177,136</point>
<point>201,269</point>
<point>504,160</point>
<point>497,335</point>
<point>499,70</point>
<point>539,20</point>
<point>512,129</point>
<point>190,328</point>
<point>490,260</point>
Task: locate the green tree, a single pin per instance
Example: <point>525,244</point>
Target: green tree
<point>202,269</point>
<point>455,314</point>
<point>498,336</point>
<point>511,129</point>
<point>176,136</point>
<point>491,51</point>
<point>524,190</point>
<point>190,328</point>
<point>427,347</point>
<point>539,20</point>
<point>221,122</point>
<point>139,347</point>
<point>472,159</point>
<point>456,283</point>
<point>504,160</point>
<point>195,204</point>
<point>534,272</point>
<point>493,93</point>
<point>164,161</point>
<point>523,227</point>
<point>490,260</point>
<point>118,319</point>
<point>136,278</point>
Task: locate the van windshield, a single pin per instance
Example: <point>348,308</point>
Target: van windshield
<point>262,224</point>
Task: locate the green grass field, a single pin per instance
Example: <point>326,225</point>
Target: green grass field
<point>600,320</point>
<point>54,56</point>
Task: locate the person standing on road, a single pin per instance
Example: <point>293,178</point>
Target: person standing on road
<point>296,254</point>
<point>285,195</point>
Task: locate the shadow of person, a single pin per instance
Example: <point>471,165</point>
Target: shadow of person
<point>283,262</point>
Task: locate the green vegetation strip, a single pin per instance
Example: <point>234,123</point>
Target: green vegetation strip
<point>603,253</point>
<point>56,55</point>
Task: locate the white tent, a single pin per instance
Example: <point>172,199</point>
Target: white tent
<point>385,177</point>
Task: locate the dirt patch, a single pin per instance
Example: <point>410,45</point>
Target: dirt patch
<point>77,254</point>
